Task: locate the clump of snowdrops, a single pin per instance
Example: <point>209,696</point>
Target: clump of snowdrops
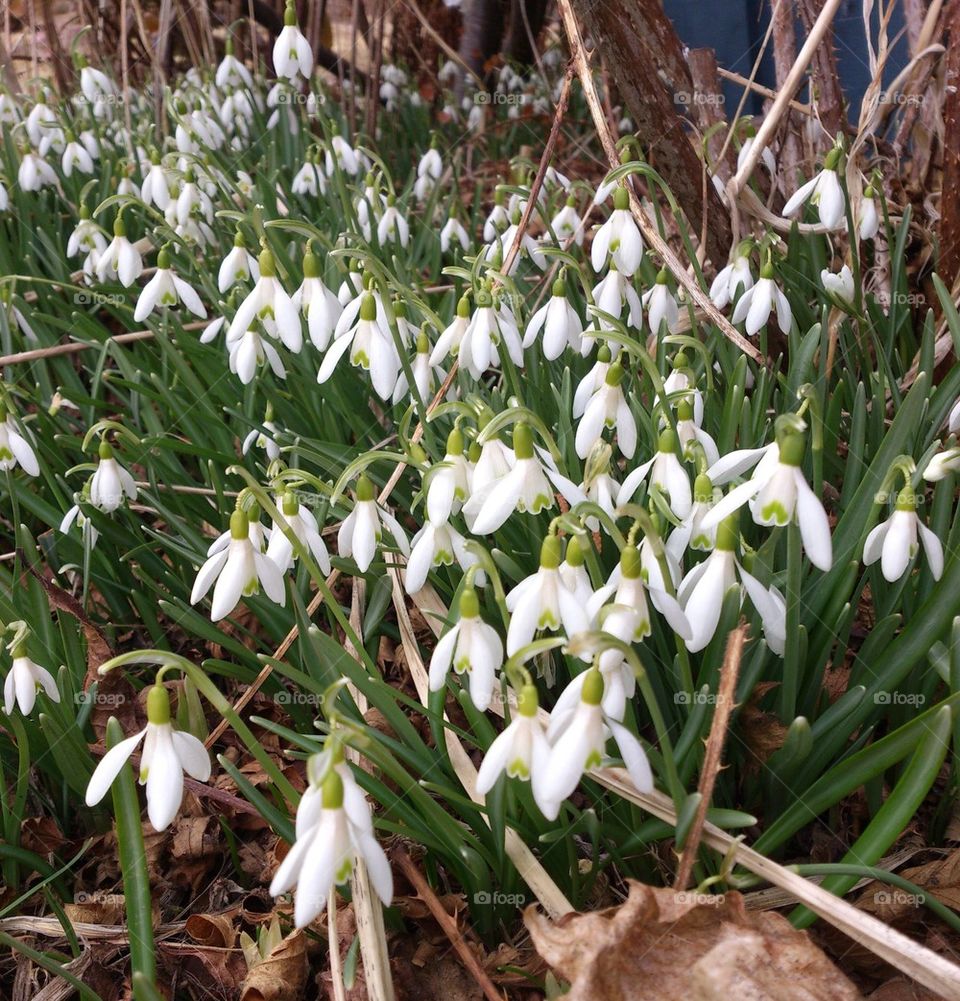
<point>355,365</point>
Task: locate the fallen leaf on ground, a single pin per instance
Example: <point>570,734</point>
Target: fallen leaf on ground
<point>684,946</point>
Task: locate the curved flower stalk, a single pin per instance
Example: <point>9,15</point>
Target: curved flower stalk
<point>470,647</point>
<point>824,191</point>
<point>361,532</point>
<point>334,830</point>
<point>543,601</point>
<point>665,472</point>
<point>560,323</point>
<point>778,494</point>
<point>618,239</point>
<point>292,55</point>
<point>703,590</point>
<point>15,447</point>
<point>756,304</point>
<point>371,348</point>
<point>608,408</point>
<point>735,277</point>
<point>578,738</point>
<point>303,524</point>
<point>240,569</point>
<point>167,754</point>
<point>894,541</point>
<point>24,679</point>
<point>167,289</point>
<point>520,751</point>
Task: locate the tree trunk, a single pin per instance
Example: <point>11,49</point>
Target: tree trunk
<point>483,24</point>
<point>526,20</point>
<point>645,57</point>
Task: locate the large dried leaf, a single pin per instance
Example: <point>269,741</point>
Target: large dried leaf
<point>683,946</point>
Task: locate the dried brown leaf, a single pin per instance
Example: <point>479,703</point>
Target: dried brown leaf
<point>684,946</point>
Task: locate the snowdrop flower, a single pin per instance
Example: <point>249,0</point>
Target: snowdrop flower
<point>592,382</point>
<point>239,569</point>
<point>449,482</point>
<point>470,647</point>
<point>86,237</point>
<point>494,461</point>
<point>567,224</point>
<point>839,286</point>
<point>371,348</point>
<point>497,220</point>
<point>778,494</point>
<point>309,180</point>
<point>520,750</point>
<point>618,238</point>
<point>121,259</point>
<point>608,408</point>
<point>560,324</point>
<point>736,275</point>
<point>265,439</point>
<point>543,602</point>
<point>35,173</point>
<point>436,544</point>
<point>429,170</point>
<point>492,326</point>
<point>326,851</point>
<point>499,249</point>
<point>942,464</point>
<point>360,533</point>
<point>231,72</point>
<point>703,590</point>
<point>95,84</point>
<point>869,217</point>
<point>75,157</point>
<point>341,154</point>
<point>666,473</point>
<point>23,681</point>
<point>167,754</point>
<point>111,483</point>
<point>758,301</point>
<point>320,306</point>
<point>524,488</point>
<point>247,351</point>
<point>269,303</point>
<point>690,533</point>
<point>303,524</point>
<point>426,377</point>
<point>39,122</point>
<point>766,157</point>
<point>156,186</point>
<point>292,55</point>
<point>578,736</point>
<point>448,343</point>
<point>691,435</point>
<point>681,384</point>
<point>238,265</point>
<point>661,305</point>
<point>894,541</point>
<point>166,289</point>
<point>453,231</point>
<point>15,448</point>
<point>393,227</point>
<point>824,191</point>
<point>4,198</point>
<point>614,293</point>
<point>75,514</point>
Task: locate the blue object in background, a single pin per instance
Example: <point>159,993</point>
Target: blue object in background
<point>735,30</point>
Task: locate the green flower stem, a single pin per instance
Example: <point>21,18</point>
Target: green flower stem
<point>133,865</point>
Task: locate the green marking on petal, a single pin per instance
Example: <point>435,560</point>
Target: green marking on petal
<point>775,512</point>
